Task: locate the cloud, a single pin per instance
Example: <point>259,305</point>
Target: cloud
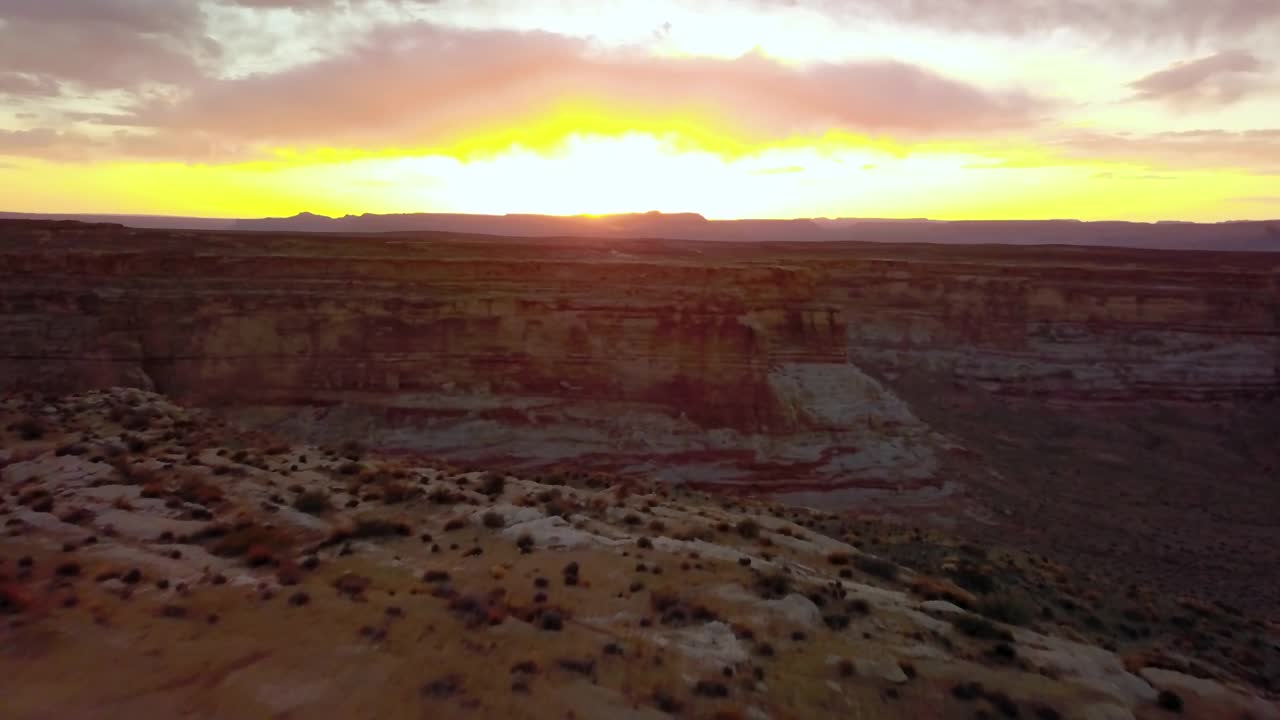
<point>310,5</point>
<point>1219,79</point>
<point>1110,20</point>
<point>100,44</point>
<point>145,17</point>
<point>420,84</point>
<point>1109,175</point>
<point>46,143</point>
<point>15,83</point>
<point>1254,151</point>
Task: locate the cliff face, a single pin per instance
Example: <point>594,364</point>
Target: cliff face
<point>727,363</point>
<point>1093,332</point>
<point>1241,236</point>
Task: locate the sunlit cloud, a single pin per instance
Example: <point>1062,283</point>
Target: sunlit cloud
<point>767,107</point>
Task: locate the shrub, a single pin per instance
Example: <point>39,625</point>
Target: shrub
<point>369,527</point>
<point>711,688</point>
<point>582,667</point>
<point>1044,712</point>
<point>877,567</point>
<point>1007,707</point>
<point>935,589</point>
<point>352,585</point>
<point>1003,651</point>
<point>444,496</point>
<point>136,421</point>
<point>980,628</point>
<point>312,502</point>
<point>665,702</point>
<point>748,528</point>
<point>836,622</point>
<point>773,585</point>
<point>194,490</point>
<point>30,428</point>
<point>570,573</point>
<point>259,555</point>
<point>493,484</point>
<point>493,520</point>
<point>974,579</point>
<point>237,542</point>
<point>674,610</point>
<point>1005,608</point>
<point>397,492</point>
<point>1169,700</point>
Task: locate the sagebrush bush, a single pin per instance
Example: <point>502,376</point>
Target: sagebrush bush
<point>493,484</point>
<point>312,502</point>
<point>882,569</point>
<point>1006,608</point>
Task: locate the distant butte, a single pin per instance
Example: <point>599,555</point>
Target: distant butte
<point>1241,236</point>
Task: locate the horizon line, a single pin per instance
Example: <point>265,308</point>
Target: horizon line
<point>595,216</point>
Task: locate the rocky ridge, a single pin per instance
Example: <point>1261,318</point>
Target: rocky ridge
<point>727,363</point>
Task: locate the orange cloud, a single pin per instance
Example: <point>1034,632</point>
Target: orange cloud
<point>427,86</point>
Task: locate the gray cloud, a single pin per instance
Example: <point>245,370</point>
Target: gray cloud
<point>100,44</point>
<point>1110,20</point>
<point>1219,79</point>
<point>46,143</point>
<point>15,83</point>
<point>1255,151</point>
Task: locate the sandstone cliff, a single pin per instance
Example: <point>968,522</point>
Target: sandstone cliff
<point>722,362</point>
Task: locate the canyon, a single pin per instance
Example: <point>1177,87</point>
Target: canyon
<point>1004,389</point>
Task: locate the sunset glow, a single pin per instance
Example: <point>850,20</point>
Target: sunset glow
<point>751,109</point>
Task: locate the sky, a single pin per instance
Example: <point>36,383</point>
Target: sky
<point>949,109</point>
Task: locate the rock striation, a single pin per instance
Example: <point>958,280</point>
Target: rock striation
<point>748,363</point>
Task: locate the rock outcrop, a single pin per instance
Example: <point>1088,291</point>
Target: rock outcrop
<point>727,363</point>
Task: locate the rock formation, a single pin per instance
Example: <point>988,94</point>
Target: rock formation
<point>722,362</point>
